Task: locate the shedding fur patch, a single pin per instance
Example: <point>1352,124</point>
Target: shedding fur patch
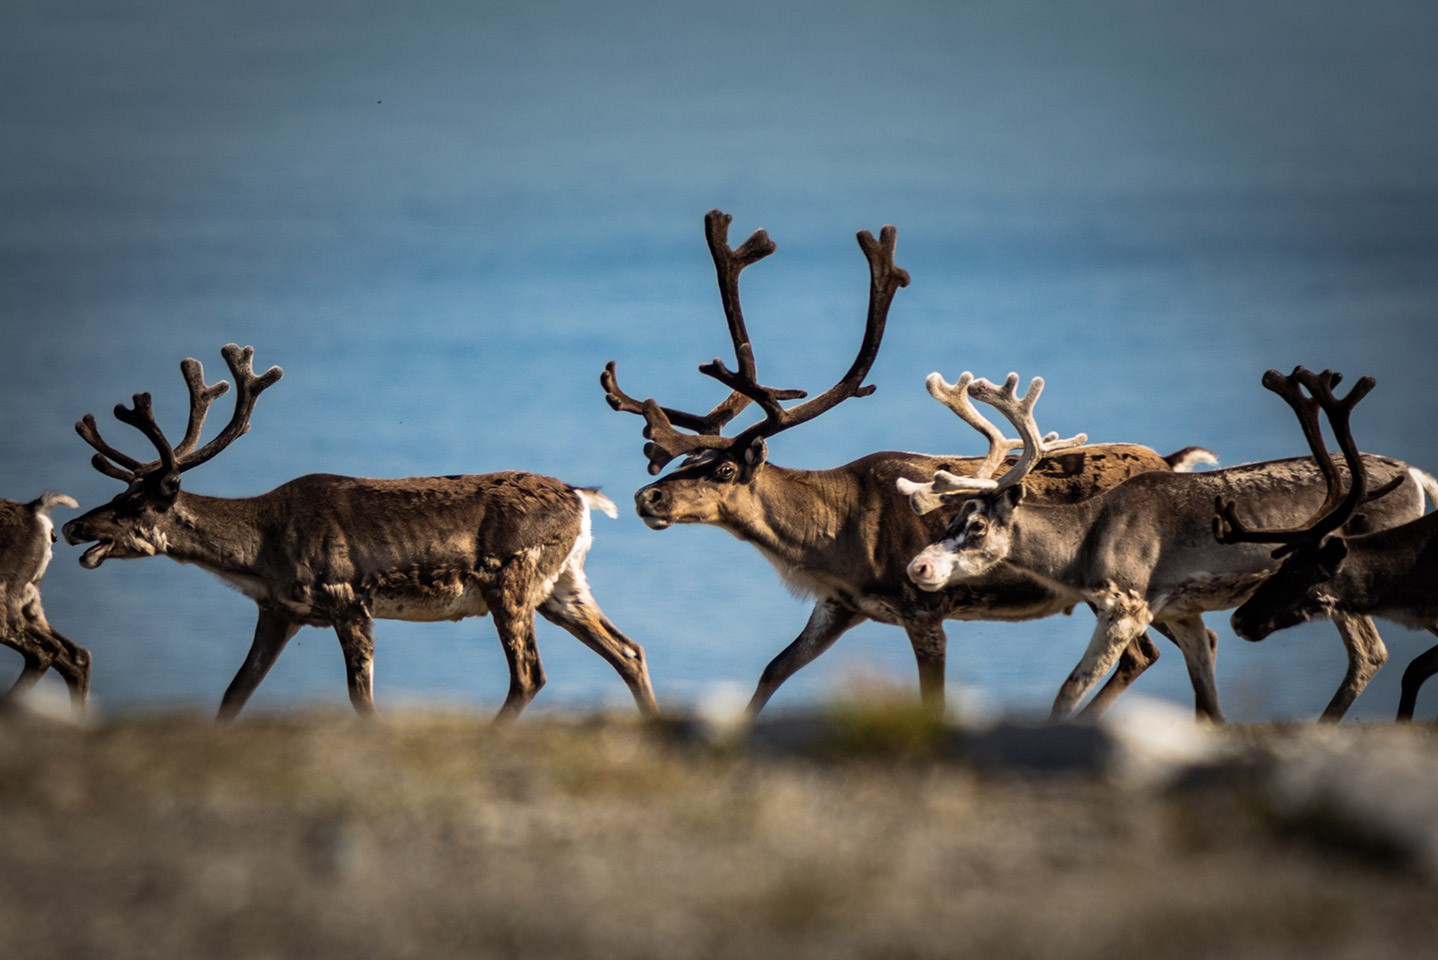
<point>1125,609</point>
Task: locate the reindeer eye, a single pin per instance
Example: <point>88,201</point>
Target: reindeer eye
<point>978,526</point>
<point>725,471</point>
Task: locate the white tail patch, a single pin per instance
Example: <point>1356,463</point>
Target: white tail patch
<point>1185,460</point>
<point>49,500</point>
<point>594,500</point>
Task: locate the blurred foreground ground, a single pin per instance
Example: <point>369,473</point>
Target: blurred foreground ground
<point>864,833</point>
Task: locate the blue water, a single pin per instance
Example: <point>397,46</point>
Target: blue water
<point>442,219</point>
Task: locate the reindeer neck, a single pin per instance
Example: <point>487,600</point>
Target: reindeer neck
<point>795,514</point>
<point>217,533</point>
<point>1048,540</point>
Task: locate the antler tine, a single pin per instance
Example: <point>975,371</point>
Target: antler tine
<point>1290,388</point>
<point>623,402</point>
<point>727,263</point>
<point>1339,411</point>
<point>123,467</point>
<point>1020,413</point>
<point>666,443</point>
<point>1337,507</point>
<point>141,416</point>
<point>248,388</point>
<point>926,497</point>
<point>885,279</point>
<point>660,422</point>
<point>955,396</point>
<point>201,397</point>
<point>112,462</point>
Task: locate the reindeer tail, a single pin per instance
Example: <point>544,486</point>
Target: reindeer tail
<point>1183,461</point>
<point>49,500</point>
<point>594,500</point>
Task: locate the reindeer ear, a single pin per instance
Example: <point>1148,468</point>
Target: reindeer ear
<point>1008,499</point>
<point>921,496</point>
<point>756,453</point>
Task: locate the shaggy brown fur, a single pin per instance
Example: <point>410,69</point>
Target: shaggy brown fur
<point>26,534</point>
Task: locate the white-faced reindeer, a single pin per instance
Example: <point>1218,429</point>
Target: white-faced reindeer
<point>1143,552</point>
<point>332,551</point>
<point>1391,574</point>
<point>842,536</point>
<point>26,536</point>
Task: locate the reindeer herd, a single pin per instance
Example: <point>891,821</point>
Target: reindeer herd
<point>900,538</point>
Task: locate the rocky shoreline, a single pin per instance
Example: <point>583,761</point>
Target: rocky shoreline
<point>862,830</point>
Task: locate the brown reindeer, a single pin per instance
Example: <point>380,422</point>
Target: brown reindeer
<point>26,536</point>
<point>1143,552</point>
<point>339,552</point>
<point>842,536</point>
<point>1391,574</point>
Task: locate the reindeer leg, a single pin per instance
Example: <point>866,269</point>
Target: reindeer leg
<point>357,642</point>
<point>1366,655</point>
<point>1193,638</point>
<point>14,635</point>
<point>1423,666</point>
<point>571,606</point>
<point>1137,657</point>
<point>70,660</point>
<point>828,621</point>
<point>1122,618</point>
<point>36,664</point>
<point>515,625</point>
<point>271,634</point>
<point>930,645</point>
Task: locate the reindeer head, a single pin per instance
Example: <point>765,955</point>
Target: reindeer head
<point>715,481</point>
<point>133,523</point>
<point>1294,593</point>
<point>1313,551</point>
<point>980,535</point>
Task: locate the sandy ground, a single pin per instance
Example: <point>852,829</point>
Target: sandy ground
<point>316,835</point>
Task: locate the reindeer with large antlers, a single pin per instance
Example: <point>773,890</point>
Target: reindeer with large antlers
<point>325,550</point>
<point>27,534</point>
<point>1143,552</point>
<point>841,535</point>
<point>1391,574</point>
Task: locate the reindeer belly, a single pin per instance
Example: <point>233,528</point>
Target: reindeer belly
<point>426,595</point>
<point>451,603</point>
<point>417,595</point>
<point>1205,593</point>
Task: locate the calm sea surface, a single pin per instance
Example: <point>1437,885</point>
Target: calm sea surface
<point>443,224</point>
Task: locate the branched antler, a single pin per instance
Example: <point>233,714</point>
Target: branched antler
<point>1337,507</point>
<point>1020,412</point>
<point>663,425</point>
<point>175,460</point>
<point>925,497</point>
